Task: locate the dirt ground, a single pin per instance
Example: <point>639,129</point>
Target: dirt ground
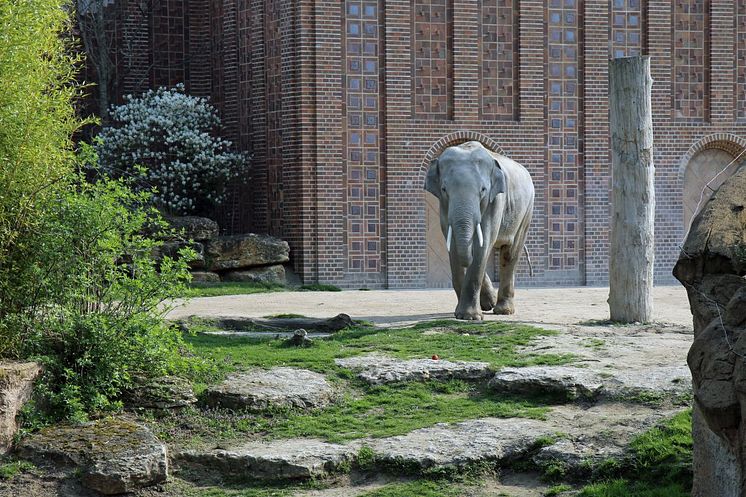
<point>556,306</point>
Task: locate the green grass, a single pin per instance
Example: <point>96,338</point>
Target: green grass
<point>10,470</point>
<point>418,488</point>
<point>494,343</point>
<point>230,288</point>
<point>660,465</point>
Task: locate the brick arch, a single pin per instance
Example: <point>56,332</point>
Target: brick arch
<point>457,138</point>
<point>728,142</point>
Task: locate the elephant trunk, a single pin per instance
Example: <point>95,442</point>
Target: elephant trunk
<point>463,237</point>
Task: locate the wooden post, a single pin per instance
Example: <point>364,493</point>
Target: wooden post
<point>633,191</point>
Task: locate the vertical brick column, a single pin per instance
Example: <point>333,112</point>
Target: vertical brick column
<point>258,115</point>
<point>331,194</point>
<point>466,60</point>
<point>405,259</point>
<point>305,256</point>
<point>532,90</point>
<point>722,34</point>
<point>597,160</point>
<point>198,63</point>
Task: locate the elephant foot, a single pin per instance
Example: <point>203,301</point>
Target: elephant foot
<point>468,314</point>
<point>487,298</point>
<point>504,307</point>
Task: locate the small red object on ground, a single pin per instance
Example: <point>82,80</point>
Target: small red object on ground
<point>435,357</point>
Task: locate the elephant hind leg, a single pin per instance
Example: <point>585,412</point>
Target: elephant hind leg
<point>487,295</point>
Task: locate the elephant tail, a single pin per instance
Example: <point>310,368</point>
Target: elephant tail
<point>528,259</point>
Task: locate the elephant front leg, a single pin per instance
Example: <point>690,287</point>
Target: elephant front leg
<point>468,303</point>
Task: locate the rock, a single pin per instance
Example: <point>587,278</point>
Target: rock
<point>259,390</point>
<point>378,370</point>
<point>572,383</point>
<point>242,251</point>
<point>462,443</point>
<point>273,275</point>
<point>240,323</point>
<point>167,392</point>
<point>299,339</point>
<point>711,268</point>
<point>112,455</point>
<point>275,460</point>
<point>654,383</point>
<point>194,227</point>
<point>205,277</point>
<point>171,249</point>
<point>16,386</point>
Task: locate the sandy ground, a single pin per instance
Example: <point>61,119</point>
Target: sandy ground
<point>557,306</point>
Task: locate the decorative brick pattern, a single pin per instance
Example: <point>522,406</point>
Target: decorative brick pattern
<point>168,32</point>
<point>363,134</point>
<point>433,58</point>
<point>740,8</point>
<point>498,59</point>
<point>627,31</point>
<point>691,59</point>
<point>563,135</point>
<point>273,75</point>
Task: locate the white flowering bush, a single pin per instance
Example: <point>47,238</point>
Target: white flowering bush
<point>165,139</point>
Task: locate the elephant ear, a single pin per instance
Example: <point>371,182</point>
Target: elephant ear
<point>432,182</point>
<point>498,181</point>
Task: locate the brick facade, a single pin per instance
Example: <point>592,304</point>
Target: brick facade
<point>343,103</point>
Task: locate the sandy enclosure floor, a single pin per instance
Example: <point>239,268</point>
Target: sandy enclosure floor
<point>557,306</point>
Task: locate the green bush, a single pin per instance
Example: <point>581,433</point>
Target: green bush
<point>95,316</point>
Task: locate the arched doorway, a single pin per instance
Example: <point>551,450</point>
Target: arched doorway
<point>703,168</point>
<point>438,267</point>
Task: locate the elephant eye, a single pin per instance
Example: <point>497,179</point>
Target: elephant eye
<point>444,189</point>
<point>484,189</point>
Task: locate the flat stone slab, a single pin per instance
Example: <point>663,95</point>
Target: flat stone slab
<point>489,439</point>
<point>378,369</point>
<point>275,460</point>
<point>113,455</point>
<point>259,390</point>
<point>649,383</point>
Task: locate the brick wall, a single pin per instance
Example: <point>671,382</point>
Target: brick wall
<point>344,103</point>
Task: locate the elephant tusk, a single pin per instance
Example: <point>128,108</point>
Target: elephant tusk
<point>479,234</point>
<point>448,239</point>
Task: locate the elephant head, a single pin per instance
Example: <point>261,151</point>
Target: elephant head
<point>466,180</point>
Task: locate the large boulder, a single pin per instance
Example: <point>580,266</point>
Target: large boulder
<point>243,251</point>
<point>16,386</point>
<point>165,392</point>
<point>711,267</point>
<point>194,227</point>
<point>111,455</point>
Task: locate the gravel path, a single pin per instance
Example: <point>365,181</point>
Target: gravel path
<point>557,306</point>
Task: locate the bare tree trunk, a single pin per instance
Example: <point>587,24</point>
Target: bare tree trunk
<point>633,194</point>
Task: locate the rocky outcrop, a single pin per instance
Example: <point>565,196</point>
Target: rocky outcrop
<point>112,455</point>
<point>656,383</point>
<point>270,275</point>
<point>711,267</point>
<point>167,392</point>
<point>16,386</point>
<point>244,251</point>
<point>259,390</point>
<point>378,369</point>
<point>275,460</point>
<point>205,277</point>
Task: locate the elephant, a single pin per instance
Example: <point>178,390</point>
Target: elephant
<point>486,201</point>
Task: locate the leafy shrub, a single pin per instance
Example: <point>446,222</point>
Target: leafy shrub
<point>170,134</point>
<point>95,318</point>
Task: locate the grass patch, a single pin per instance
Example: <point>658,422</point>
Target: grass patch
<point>494,343</point>
<point>230,288</point>
<point>10,470</point>
<point>419,488</point>
<point>660,465</point>
<point>379,411</point>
